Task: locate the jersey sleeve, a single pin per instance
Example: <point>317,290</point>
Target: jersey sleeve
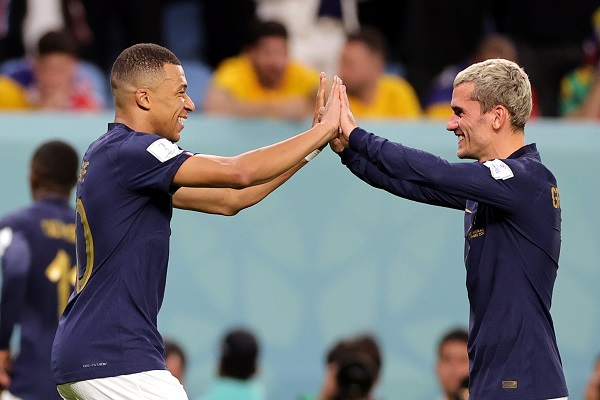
<point>15,258</point>
<point>370,174</point>
<point>150,162</point>
<point>501,183</point>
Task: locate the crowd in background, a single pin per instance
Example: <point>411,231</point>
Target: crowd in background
<point>394,56</point>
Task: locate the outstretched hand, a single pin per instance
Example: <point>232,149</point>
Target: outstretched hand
<point>320,100</point>
<point>331,114</point>
<point>347,121</point>
<point>347,124</point>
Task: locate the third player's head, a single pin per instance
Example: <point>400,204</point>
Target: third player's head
<point>53,170</point>
<point>149,87</point>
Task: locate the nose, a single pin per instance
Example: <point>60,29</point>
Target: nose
<point>189,104</point>
<point>452,124</point>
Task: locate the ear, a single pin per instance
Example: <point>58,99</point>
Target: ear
<point>501,116</point>
<point>142,98</point>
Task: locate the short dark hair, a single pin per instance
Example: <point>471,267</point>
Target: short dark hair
<point>453,335</point>
<point>259,29</point>
<point>372,38</point>
<point>61,41</point>
<point>239,351</point>
<point>56,164</point>
<point>356,375</point>
<point>141,60</point>
<point>364,344</point>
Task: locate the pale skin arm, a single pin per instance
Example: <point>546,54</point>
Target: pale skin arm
<point>229,201</point>
<point>219,101</point>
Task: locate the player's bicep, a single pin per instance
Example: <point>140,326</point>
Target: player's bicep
<point>208,172</point>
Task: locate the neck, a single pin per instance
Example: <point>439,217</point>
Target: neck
<point>503,149</point>
<point>44,193</point>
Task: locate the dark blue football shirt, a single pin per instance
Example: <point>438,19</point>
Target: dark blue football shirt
<point>512,245</point>
<point>37,253</point>
<point>124,210</point>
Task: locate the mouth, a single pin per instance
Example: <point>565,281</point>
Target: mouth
<point>181,120</point>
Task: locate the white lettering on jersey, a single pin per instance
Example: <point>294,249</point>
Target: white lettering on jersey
<point>163,149</point>
<point>499,169</point>
<point>6,237</point>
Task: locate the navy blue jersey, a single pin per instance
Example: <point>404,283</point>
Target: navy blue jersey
<point>512,246</point>
<point>37,248</point>
<point>124,210</point>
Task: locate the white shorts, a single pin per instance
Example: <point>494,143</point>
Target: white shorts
<point>6,395</point>
<point>148,385</point>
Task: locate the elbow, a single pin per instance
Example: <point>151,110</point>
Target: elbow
<point>242,177</point>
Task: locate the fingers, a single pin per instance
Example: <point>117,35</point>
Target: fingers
<point>320,99</point>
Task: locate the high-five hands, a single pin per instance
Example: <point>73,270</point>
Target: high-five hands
<point>346,123</point>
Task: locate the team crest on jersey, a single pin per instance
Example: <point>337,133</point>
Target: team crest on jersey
<point>499,169</point>
<point>163,149</point>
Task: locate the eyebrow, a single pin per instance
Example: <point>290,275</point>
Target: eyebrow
<point>456,109</point>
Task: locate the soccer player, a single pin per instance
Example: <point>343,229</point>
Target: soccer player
<point>107,343</point>
<point>512,224</point>
<point>37,254</point>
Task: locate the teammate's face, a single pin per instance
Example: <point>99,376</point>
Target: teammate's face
<point>452,366</point>
<point>170,103</point>
<point>270,58</point>
<point>472,127</point>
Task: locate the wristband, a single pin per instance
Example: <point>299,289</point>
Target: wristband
<point>312,155</point>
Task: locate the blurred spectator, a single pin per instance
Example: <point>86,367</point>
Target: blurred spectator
<point>452,365</point>
<point>263,81</point>
<point>549,48</point>
<point>592,388</point>
<point>494,45</point>
<point>352,368</point>
<point>12,95</point>
<point>238,366</point>
<point>580,89</point>
<point>24,22</point>
<point>55,79</point>
<point>371,92</point>
<point>386,16</point>
<point>176,360</point>
<point>317,28</point>
<point>37,257</point>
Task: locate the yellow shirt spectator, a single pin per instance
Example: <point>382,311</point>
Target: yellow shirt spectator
<point>394,97</point>
<point>12,95</point>
<point>237,76</point>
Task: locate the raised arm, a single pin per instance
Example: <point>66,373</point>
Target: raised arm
<point>227,201</point>
<point>264,164</point>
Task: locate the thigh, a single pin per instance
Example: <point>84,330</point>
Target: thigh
<point>149,385</point>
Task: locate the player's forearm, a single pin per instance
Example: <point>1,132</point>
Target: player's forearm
<point>225,201</point>
<point>268,162</point>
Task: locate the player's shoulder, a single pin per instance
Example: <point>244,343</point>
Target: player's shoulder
<point>17,219</point>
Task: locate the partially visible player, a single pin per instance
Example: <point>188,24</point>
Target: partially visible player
<point>37,254</point>
<point>107,344</point>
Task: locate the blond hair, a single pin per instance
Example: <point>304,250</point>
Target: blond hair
<point>500,82</point>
